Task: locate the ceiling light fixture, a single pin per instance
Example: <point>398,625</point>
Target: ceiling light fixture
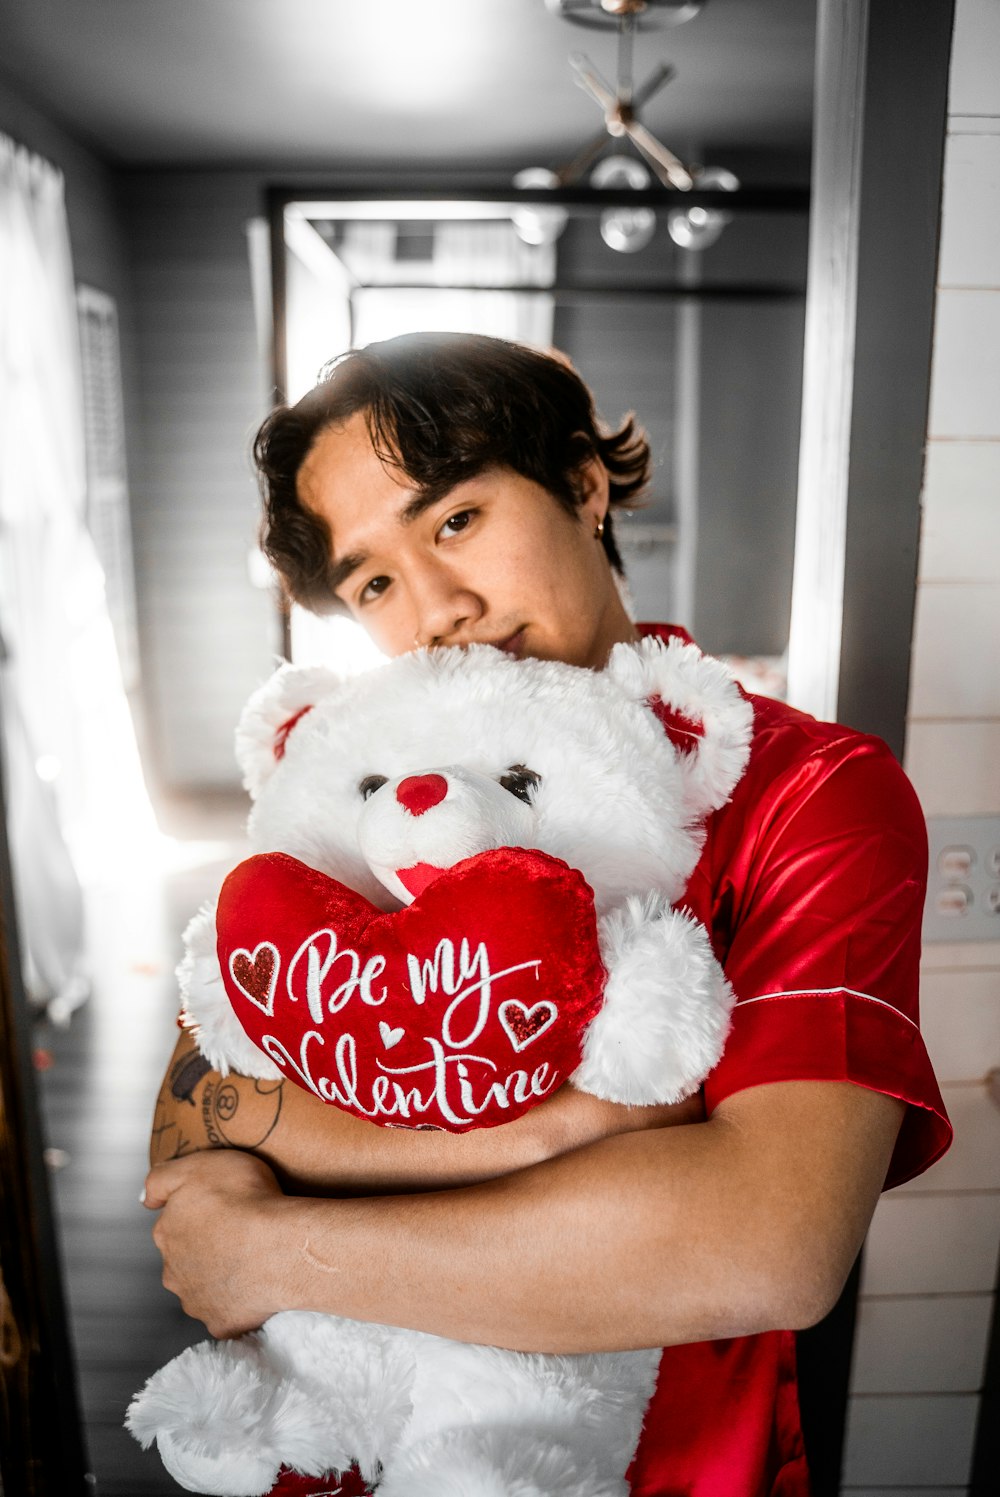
<point>622,228</point>
<point>695,228</point>
<point>535,222</point>
<point>602,15</point>
<point>620,105</point>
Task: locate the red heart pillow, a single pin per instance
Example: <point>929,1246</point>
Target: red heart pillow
<point>460,1011</point>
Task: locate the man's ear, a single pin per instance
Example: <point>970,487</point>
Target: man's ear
<point>591,483</point>
<point>271,716</point>
<point>701,708</point>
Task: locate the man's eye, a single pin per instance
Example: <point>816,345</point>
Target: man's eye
<point>373,588</point>
<point>370,784</point>
<point>521,781</point>
<point>457,522</point>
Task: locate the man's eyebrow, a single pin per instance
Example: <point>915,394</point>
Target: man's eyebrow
<point>423,500</point>
<point>342,569</point>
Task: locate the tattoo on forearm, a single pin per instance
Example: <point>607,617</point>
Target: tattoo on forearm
<point>168,1140</point>
<point>206,1117</point>
<point>220,1113</point>
<point>185,1075</point>
<point>235,1113</point>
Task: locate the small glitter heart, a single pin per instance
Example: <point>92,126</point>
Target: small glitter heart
<point>256,973</point>
<point>523,1024</point>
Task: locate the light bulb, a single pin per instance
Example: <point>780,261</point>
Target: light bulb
<point>696,228</point>
<point>533,222</point>
<point>624,229</point>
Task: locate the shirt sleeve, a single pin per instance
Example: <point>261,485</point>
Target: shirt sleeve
<point>825,894</point>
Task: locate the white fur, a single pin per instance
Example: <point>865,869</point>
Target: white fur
<point>207,1011</point>
<point>430,1417</point>
<point>701,688</point>
<point>614,798</point>
<point>273,705</point>
<point>666,1007</point>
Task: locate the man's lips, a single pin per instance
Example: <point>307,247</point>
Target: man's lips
<point>513,644</point>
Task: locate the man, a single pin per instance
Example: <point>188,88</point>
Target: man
<point>450,490</point>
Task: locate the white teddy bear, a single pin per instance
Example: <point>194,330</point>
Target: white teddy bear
<point>453,996</point>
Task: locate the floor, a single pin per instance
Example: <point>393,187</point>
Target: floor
<point>98,1079</point>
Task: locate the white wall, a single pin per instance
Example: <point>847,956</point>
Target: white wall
<point>931,1265</point>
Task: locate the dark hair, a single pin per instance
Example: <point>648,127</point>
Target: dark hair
<point>442,407</point>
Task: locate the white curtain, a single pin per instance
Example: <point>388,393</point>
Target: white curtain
<point>64,712</point>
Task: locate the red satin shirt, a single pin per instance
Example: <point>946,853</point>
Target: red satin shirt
<point>811,884</point>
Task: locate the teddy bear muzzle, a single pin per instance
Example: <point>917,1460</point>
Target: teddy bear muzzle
<point>419,824</point>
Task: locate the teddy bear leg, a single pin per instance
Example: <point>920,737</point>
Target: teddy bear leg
<point>226,1416</point>
<point>500,1424</point>
<point>666,1007</point>
<point>497,1463</point>
<point>357,1377</point>
<point>211,1412</point>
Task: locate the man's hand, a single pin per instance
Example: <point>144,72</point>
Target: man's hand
<point>219,1223</point>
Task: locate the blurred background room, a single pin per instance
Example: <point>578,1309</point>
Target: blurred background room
<point>771,228</point>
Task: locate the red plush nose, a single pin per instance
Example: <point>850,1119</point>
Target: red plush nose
<point>418,792</point>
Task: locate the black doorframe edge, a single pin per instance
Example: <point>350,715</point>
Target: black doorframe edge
<point>985,1474</point>
<point>46,1454</point>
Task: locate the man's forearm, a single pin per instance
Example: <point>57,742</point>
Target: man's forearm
<point>318,1148</point>
<point>196,1108</point>
<point>562,1257</point>
<point>745,1223</point>
<point>312,1146</point>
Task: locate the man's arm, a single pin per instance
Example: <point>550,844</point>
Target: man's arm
<point>748,1222</point>
<point>314,1147</point>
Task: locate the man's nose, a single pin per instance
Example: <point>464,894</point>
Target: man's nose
<point>444,607</point>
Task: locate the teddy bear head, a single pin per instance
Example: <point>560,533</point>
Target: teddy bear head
<point>386,779</point>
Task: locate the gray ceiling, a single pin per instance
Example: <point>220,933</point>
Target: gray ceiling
<point>394,83</point>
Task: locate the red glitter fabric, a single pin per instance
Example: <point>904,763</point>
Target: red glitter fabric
<point>811,884</point>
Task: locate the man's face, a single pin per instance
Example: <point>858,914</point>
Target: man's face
<point>494,561</point>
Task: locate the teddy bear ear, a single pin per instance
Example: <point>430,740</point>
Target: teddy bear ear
<point>701,708</point>
<point>271,716</point>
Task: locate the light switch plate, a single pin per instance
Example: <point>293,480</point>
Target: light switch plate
<point>963,884</point>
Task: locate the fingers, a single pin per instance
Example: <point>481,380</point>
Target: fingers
<point>162,1181</point>
<point>214,1207</point>
<point>220,1172</point>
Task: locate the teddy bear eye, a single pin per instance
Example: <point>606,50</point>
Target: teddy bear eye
<point>521,781</point>
<point>370,784</point>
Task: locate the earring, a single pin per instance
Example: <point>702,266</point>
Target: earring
<point>599,529</point>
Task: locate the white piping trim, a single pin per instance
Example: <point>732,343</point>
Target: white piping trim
<point>825,992</point>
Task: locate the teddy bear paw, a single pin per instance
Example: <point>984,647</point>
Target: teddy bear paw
<point>224,1425</point>
<point>666,1007</point>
